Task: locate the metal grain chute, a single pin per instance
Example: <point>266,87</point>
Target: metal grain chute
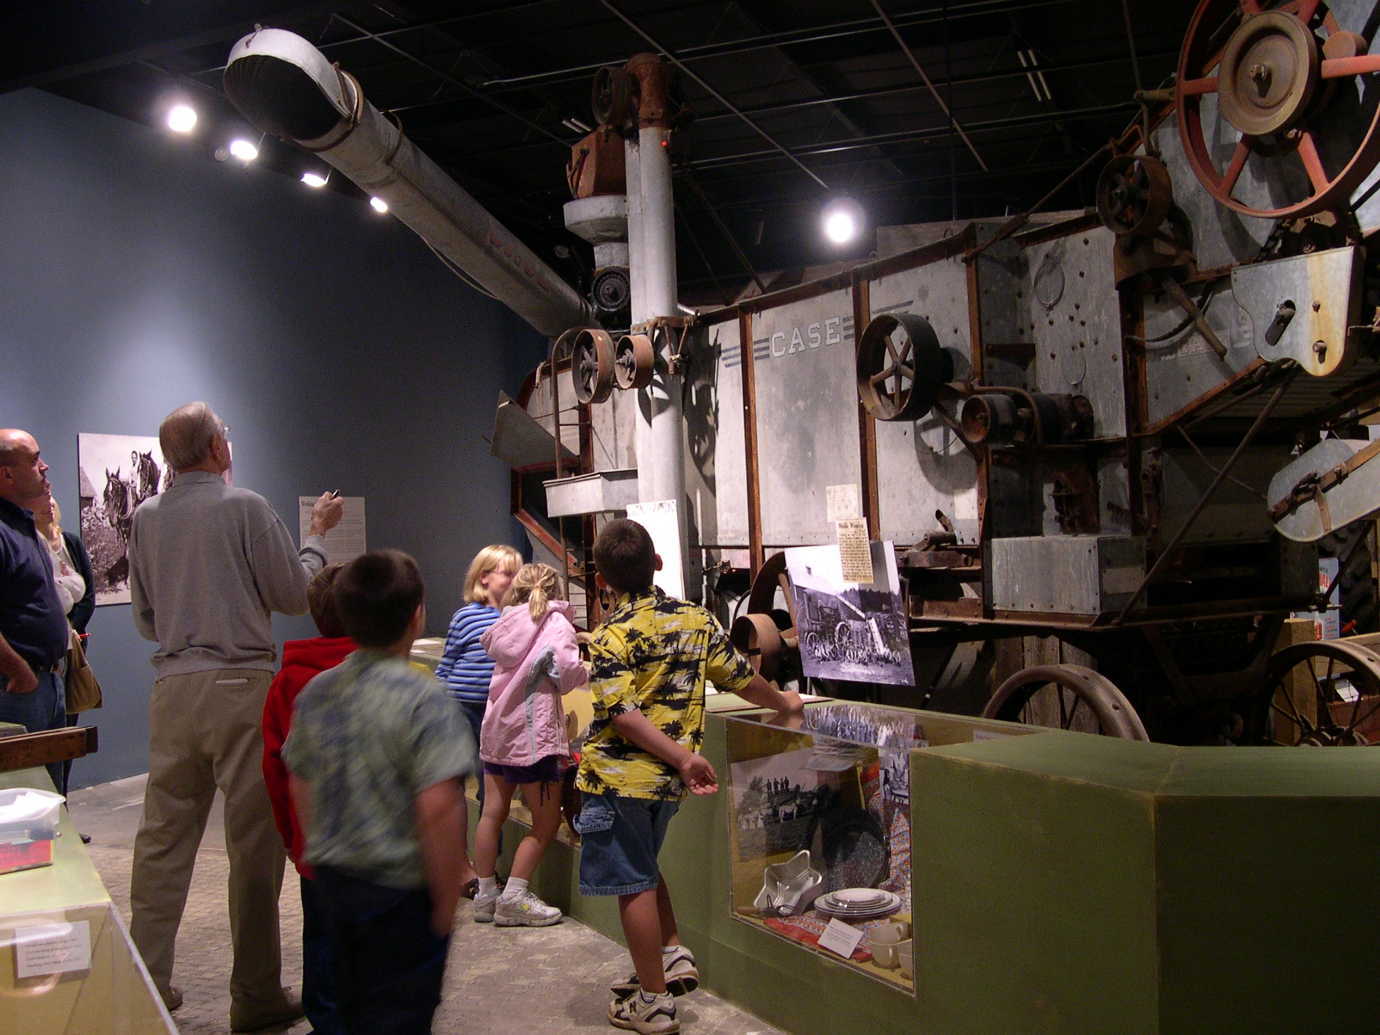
<point>287,87</point>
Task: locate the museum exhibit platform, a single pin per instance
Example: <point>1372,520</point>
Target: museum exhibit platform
<point>1064,882</point>
<point>67,965</point>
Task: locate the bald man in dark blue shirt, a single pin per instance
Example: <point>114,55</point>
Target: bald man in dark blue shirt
<point>33,628</point>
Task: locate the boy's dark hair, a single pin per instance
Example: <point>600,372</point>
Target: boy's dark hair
<point>376,595</point>
<point>321,601</point>
<point>624,555</point>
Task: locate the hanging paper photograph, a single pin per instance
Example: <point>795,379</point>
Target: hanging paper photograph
<point>115,473</point>
<point>850,630</point>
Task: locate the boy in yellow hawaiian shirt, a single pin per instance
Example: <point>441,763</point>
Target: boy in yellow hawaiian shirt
<point>649,662</point>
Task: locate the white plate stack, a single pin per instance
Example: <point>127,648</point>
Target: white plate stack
<point>858,903</point>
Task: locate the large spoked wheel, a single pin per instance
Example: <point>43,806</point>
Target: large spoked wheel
<point>591,365</point>
<point>1324,694</point>
<point>1068,697</point>
<point>1273,82</point>
<point>900,367</point>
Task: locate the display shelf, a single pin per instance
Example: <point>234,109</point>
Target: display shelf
<point>58,917</point>
<point>836,787</point>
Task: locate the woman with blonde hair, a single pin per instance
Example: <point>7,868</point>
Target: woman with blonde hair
<point>72,576</point>
<point>523,740</point>
<point>465,668</point>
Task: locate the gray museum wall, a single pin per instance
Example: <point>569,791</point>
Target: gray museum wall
<point>136,274</point>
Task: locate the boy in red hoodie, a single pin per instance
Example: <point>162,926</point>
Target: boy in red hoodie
<point>303,659</point>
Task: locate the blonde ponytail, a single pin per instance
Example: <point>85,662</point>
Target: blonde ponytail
<point>535,585</point>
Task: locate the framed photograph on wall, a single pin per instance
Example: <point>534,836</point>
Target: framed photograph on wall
<point>115,473</point>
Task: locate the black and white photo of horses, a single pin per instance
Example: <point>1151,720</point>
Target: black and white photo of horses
<point>777,801</point>
<point>849,630</point>
<point>115,474</point>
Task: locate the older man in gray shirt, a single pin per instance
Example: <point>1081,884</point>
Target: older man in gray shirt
<point>208,565</point>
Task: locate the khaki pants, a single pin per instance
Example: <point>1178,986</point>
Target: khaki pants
<point>204,734</point>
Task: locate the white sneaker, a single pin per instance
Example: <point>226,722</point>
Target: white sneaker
<point>682,977</point>
<point>484,906</point>
<point>524,910</point>
<point>636,1013</point>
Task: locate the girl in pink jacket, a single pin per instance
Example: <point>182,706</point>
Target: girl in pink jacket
<point>522,741</point>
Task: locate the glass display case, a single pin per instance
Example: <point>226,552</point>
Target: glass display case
<point>820,831</point>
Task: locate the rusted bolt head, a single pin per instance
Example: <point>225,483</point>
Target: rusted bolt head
<point>1320,349</point>
<point>1317,306</point>
<point>1260,75</point>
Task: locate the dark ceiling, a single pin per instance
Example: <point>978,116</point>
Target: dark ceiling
<point>791,103</point>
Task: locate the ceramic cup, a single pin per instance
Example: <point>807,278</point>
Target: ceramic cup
<point>884,955</point>
<point>888,933</point>
<point>904,957</point>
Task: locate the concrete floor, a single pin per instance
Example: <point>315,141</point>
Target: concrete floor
<point>552,979</point>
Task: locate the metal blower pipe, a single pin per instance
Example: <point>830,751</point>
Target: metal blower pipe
<point>285,86</point>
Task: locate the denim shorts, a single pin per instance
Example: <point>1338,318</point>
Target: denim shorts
<point>619,842</point>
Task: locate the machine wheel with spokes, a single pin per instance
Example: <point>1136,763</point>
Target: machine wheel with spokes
<point>1321,694</point>
<point>1069,697</point>
<point>592,365</point>
<point>900,367</point>
<point>1274,82</point>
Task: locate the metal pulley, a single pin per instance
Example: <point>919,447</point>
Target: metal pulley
<point>900,367</point>
<point>633,361</point>
<point>612,97</point>
<point>1134,195</point>
<point>591,365</point>
<point>998,417</point>
<point>1275,82</point>
<point>611,291</point>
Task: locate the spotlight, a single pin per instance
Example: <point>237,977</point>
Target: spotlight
<point>842,221</point>
<point>243,150</point>
<point>181,118</point>
<point>378,205</point>
<point>314,179</point>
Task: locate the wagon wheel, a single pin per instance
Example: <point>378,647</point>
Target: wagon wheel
<point>900,367</point>
<point>1134,195</point>
<point>1273,80</point>
<point>591,365</point>
<point>633,361</point>
<point>1307,695</point>
<point>1068,697</point>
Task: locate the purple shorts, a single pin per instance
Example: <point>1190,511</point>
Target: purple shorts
<point>545,770</point>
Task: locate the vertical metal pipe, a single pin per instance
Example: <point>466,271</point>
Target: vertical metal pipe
<point>660,435</point>
<point>632,173</point>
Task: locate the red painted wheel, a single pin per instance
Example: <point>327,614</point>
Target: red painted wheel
<point>1272,81</point>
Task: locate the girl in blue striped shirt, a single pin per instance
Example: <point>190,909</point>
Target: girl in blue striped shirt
<point>464,668</point>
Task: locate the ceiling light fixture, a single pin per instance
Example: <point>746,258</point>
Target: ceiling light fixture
<point>244,150</point>
<point>314,179</point>
<point>181,118</point>
<point>841,221</point>
<point>378,205</point>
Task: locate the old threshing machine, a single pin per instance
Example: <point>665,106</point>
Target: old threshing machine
<point>1127,430</point>
<point>1124,431</point>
